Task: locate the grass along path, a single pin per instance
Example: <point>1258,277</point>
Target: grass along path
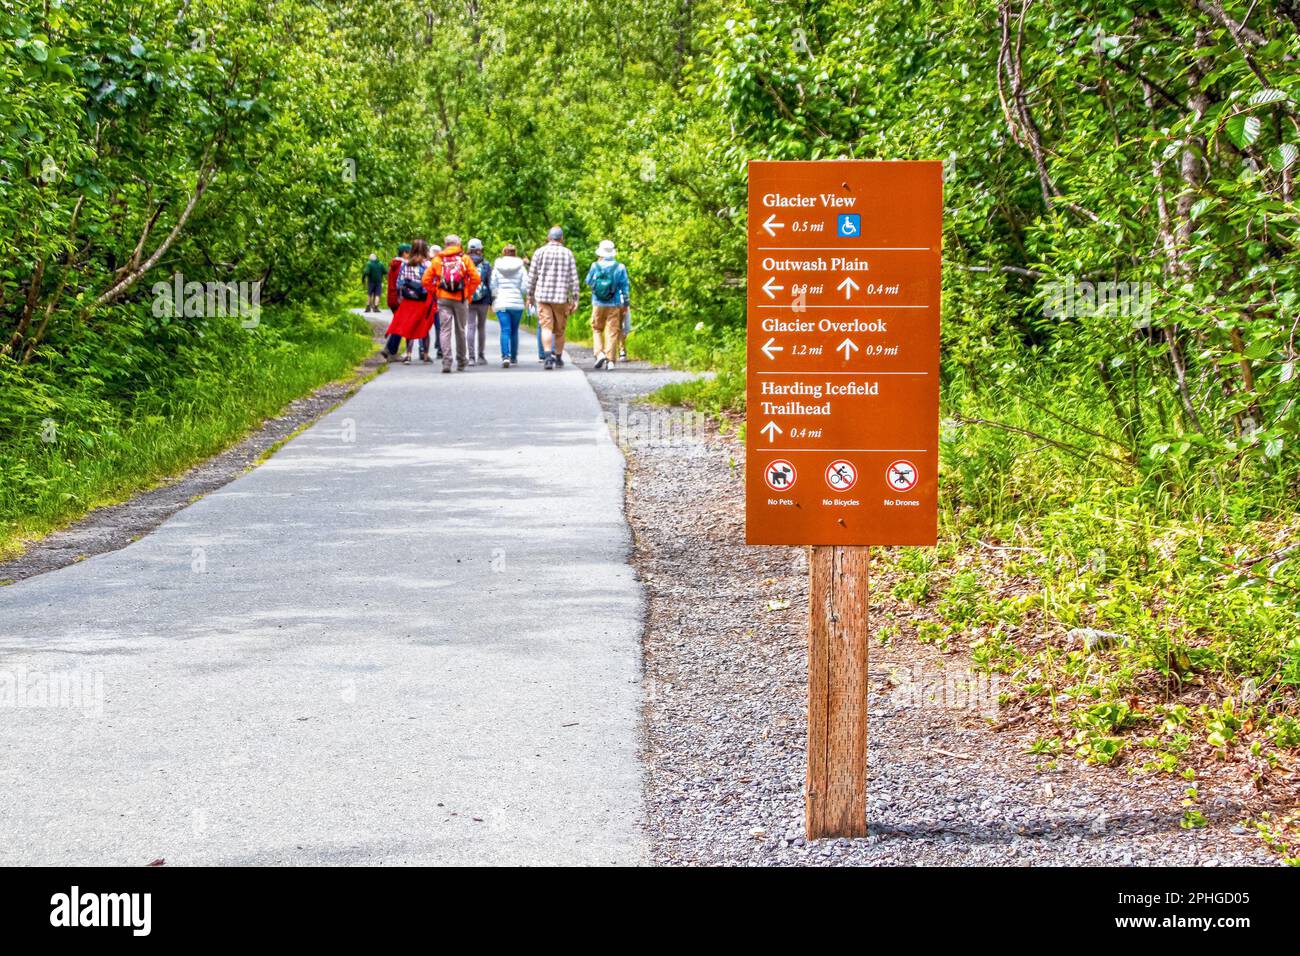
<point>81,457</point>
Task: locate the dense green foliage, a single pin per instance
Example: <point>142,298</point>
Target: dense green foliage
<point>224,141</point>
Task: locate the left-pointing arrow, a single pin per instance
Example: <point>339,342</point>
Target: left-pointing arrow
<point>770,346</point>
<point>771,289</point>
<point>771,225</point>
<point>771,430</point>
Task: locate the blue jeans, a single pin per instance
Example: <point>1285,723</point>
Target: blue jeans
<point>541,352</point>
<point>508,319</point>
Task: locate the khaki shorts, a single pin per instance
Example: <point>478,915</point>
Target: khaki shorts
<point>553,316</point>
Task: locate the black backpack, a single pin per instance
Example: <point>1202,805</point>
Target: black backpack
<point>484,291</point>
<point>412,289</point>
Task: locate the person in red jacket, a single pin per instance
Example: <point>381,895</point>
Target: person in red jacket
<point>414,316</point>
<point>394,269</point>
<point>452,278</point>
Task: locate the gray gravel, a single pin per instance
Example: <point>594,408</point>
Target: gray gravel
<point>725,723</point>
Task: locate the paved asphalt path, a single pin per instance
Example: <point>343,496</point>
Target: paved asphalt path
<point>411,636</point>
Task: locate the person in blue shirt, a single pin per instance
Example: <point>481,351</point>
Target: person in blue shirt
<point>610,298</point>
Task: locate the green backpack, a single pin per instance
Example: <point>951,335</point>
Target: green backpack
<point>605,284</point>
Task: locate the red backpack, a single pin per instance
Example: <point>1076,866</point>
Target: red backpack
<point>453,274</point>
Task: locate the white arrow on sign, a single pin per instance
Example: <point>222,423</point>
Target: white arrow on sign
<point>847,346</point>
<point>849,286</point>
<point>771,430</point>
<point>770,346</point>
<point>771,225</point>
<point>769,288</point>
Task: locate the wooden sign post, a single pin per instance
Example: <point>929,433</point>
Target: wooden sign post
<point>842,421</point>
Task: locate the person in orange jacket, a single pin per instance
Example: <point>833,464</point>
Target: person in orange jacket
<point>453,278</point>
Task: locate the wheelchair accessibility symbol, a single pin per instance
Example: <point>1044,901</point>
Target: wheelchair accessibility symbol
<point>849,225</point>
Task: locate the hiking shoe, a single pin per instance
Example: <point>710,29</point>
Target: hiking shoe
<point>550,363</point>
<point>446,369</point>
<point>609,367</point>
<point>406,359</point>
<point>559,361</point>
<point>505,363</point>
<point>600,360</point>
<point>482,360</point>
<point>622,355</point>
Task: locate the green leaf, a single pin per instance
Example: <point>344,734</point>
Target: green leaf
<point>1284,156</point>
<point>1264,97</point>
<point>1243,129</point>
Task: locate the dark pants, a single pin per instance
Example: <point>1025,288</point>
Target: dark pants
<point>395,340</point>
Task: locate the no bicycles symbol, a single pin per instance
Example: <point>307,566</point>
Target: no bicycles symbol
<point>841,475</point>
<point>901,475</point>
<point>779,475</point>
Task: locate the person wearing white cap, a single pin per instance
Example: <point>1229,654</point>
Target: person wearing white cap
<point>479,305</point>
<point>610,297</point>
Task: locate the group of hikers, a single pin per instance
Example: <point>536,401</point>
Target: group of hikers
<point>447,292</point>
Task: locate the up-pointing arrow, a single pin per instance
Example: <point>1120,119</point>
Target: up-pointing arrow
<point>771,225</point>
<point>771,430</point>
<point>849,286</point>
<point>847,346</point>
<point>770,346</point>
<point>771,289</point>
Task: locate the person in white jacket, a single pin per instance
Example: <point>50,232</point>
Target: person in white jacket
<point>509,300</point>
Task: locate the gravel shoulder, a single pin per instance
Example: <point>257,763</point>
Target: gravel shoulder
<point>725,682</point>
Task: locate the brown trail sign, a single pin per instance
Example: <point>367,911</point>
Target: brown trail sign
<point>842,421</point>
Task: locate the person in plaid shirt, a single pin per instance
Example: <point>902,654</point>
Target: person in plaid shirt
<point>553,285</point>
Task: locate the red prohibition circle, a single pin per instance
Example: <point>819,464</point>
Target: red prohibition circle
<point>845,471</point>
<point>779,474</point>
<point>901,475</point>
